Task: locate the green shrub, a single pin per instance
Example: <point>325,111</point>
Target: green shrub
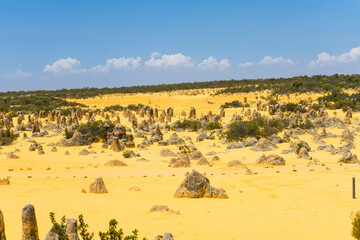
<point>82,228</point>
<point>68,134</point>
<point>355,231</point>
<point>194,125</point>
<point>126,154</point>
<point>257,128</point>
<point>96,131</point>
<point>58,228</point>
<point>213,126</point>
<point>8,137</point>
<point>233,104</point>
<point>111,234</point>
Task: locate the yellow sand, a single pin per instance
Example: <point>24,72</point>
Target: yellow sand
<point>268,205</point>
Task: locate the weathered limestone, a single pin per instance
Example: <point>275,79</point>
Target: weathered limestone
<point>29,224</point>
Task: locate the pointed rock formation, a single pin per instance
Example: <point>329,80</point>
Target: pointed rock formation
<point>29,225</point>
<point>98,186</point>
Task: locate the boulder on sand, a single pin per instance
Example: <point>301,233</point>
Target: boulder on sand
<point>166,152</point>
<point>115,163</point>
<point>196,185</point>
<point>98,186</point>
<point>76,140</point>
<point>236,163</point>
<point>272,159</point>
<point>264,145</point>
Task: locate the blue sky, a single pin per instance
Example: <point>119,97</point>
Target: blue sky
<point>71,44</point>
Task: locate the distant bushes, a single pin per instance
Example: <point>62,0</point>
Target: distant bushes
<point>7,137</point>
<point>194,125</point>
<point>299,84</point>
<point>97,130</point>
<point>33,103</point>
<point>131,107</point>
<point>112,233</point>
<point>212,126</point>
<point>257,128</point>
<point>233,104</point>
<point>341,100</point>
<point>114,108</point>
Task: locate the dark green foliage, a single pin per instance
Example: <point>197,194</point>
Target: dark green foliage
<point>340,100</point>
<point>297,84</point>
<point>96,131</point>
<point>117,234</point>
<point>300,84</point>
<point>111,234</point>
<point>240,130</point>
<point>126,154</point>
<point>20,101</point>
<point>213,126</point>
<point>114,108</point>
<point>58,228</point>
<point>233,104</point>
<point>134,107</point>
<point>194,125</point>
<point>8,137</point>
<point>355,218</point>
<point>257,128</point>
<point>68,134</point>
<point>273,102</point>
<point>82,228</point>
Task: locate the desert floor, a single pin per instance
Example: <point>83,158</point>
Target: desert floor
<point>274,203</point>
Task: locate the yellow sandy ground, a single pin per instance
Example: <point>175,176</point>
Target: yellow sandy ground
<point>275,203</point>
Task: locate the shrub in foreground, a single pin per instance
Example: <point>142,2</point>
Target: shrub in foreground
<point>111,234</point>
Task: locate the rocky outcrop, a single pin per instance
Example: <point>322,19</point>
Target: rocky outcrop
<point>115,163</point>
<point>196,185</point>
<point>236,163</point>
<point>264,145</point>
<point>98,186</point>
<point>29,224</point>
<point>76,140</point>
<point>71,229</point>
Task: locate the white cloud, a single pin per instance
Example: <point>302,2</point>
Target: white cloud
<point>118,64</point>
<point>211,63</point>
<point>20,73</point>
<point>270,60</point>
<point>167,61</point>
<point>247,64</point>
<point>327,59</point>
<point>68,65</point>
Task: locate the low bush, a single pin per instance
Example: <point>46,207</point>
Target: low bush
<point>213,126</point>
<point>97,130</point>
<point>194,125</point>
<point>233,104</point>
<point>111,234</point>
<point>257,128</point>
<point>7,137</point>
